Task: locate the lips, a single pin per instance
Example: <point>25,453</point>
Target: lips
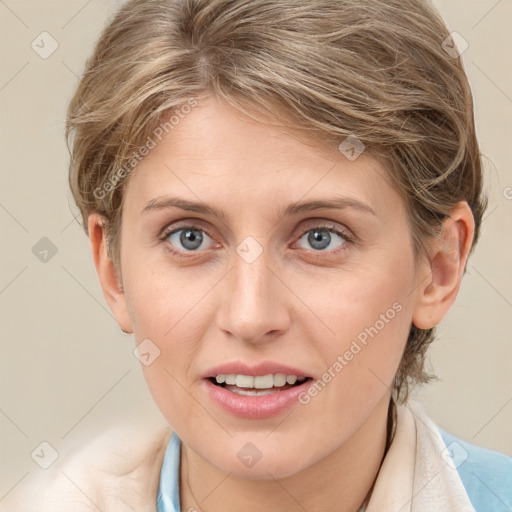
<point>245,405</point>
<point>244,390</point>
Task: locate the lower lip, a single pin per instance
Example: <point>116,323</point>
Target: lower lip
<point>255,407</point>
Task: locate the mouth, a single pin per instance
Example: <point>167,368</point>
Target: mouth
<point>261,385</point>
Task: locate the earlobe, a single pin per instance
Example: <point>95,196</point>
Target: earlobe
<point>105,268</point>
<point>441,279</point>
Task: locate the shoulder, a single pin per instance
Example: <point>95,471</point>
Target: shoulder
<point>485,474</point>
<point>116,471</point>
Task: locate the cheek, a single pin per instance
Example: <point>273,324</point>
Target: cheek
<point>163,307</point>
<point>159,298</point>
<point>169,311</point>
<point>365,316</point>
<point>370,317</point>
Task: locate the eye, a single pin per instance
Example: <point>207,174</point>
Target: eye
<point>187,239</point>
<point>323,238</point>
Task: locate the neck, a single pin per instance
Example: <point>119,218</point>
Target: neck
<point>341,481</point>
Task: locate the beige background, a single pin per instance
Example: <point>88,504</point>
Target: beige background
<point>66,370</point>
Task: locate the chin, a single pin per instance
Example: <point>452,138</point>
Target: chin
<point>274,467</point>
<point>262,459</point>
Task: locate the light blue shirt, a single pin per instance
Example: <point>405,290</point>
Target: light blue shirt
<point>168,499</point>
<point>486,475</point>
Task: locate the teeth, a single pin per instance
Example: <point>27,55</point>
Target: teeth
<point>244,381</point>
<point>260,382</point>
<point>230,379</point>
<point>279,379</point>
<point>254,392</point>
<point>291,379</point>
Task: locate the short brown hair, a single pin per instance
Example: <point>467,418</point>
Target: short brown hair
<point>376,69</point>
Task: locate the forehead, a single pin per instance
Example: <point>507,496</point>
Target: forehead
<point>217,155</point>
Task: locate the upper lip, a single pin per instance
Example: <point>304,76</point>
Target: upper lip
<point>259,369</point>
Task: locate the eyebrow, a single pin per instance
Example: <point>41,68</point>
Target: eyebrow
<point>337,203</point>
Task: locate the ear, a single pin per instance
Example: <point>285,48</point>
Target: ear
<point>105,268</point>
<point>441,278</point>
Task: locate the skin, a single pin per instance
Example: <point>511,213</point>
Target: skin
<point>294,304</point>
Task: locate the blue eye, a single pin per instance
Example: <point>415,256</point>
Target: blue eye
<point>190,239</point>
<point>320,238</point>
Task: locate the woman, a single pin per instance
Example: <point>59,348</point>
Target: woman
<point>281,197</point>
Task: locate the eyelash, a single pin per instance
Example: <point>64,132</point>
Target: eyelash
<point>168,232</point>
<point>318,254</point>
<point>332,228</point>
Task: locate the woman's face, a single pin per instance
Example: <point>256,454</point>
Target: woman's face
<point>253,271</point>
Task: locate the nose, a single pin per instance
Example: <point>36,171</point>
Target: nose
<point>253,303</point>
